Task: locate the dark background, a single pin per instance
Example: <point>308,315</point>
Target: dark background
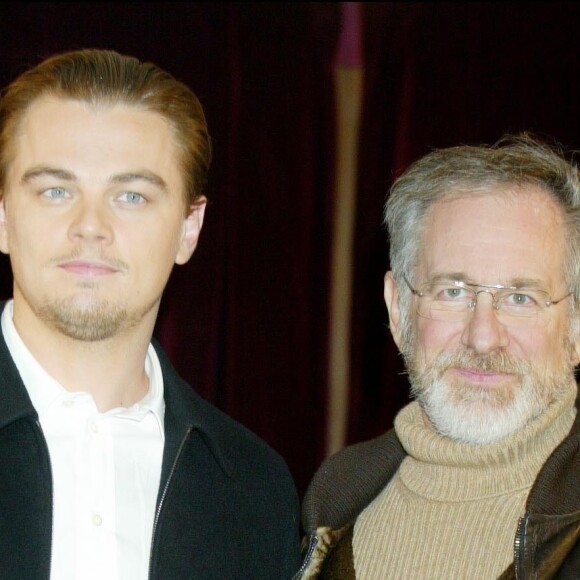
<point>246,321</point>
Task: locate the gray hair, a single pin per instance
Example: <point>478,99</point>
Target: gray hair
<point>465,171</point>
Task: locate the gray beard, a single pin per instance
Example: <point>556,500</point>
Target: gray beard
<point>478,415</point>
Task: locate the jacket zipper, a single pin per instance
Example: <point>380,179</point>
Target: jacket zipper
<point>158,511</point>
<point>312,543</point>
<point>519,546</point>
<point>51,482</point>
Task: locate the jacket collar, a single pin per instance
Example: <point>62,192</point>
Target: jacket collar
<point>16,403</point>
<point>349,480</point>
<point>555,491</point>
<point>186,411</point>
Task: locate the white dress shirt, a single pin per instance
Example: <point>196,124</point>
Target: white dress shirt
<point>106,469</point>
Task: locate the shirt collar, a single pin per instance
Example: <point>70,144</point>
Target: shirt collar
<point>44,391</point>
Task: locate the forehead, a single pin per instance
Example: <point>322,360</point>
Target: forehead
<point>86,138</point>
<point>496,237</point>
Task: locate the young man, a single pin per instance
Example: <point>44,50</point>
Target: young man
<point>480,476</point>
<point>110,465</point>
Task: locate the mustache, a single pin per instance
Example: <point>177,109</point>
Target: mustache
<point>80,254</point>
<point>499,362</point>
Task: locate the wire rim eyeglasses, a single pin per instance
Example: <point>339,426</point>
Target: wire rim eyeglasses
<point>454,301</point>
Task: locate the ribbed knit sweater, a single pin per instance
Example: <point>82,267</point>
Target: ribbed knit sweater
<point>452,509</point>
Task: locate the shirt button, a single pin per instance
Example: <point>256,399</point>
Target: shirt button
<point>68,403</point>
<point>97,520</point>
<point>93,427</point>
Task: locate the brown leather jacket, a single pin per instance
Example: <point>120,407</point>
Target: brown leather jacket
<point>546,546</point>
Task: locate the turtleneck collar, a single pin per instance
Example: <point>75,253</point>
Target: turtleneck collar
<point>441,469</point>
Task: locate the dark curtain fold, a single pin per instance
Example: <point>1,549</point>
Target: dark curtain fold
<point>263,356</point>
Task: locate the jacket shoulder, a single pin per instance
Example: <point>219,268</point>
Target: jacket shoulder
<point>556,489</point>
<point>239,450</point>
<point>241,444</point>
<point>349,480</point>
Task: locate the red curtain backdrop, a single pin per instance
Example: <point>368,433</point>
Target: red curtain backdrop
<point>246,321</point>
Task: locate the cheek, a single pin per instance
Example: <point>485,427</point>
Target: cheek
<point>433,338</point>
<point>528,344</point>
<point>155,256</point>
<point>20,240</point>
<point>543,338</point>
<point>542,345</point>
<point>30,234</point>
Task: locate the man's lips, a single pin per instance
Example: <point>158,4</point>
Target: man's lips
<point>88,268</point>
<point>489,377</point>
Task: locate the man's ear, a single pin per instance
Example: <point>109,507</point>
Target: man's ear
<point>392,302</point>
<point>4,248</point>
<point>577,353</point>
<point>576,343</point>
<point>191,230</point>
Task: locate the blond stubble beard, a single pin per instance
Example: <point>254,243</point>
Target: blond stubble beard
<point>93,322</point>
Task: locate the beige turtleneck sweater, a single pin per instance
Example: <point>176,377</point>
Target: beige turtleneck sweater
<point>452,509</point>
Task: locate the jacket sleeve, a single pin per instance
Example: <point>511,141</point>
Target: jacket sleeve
<point>291,534</point>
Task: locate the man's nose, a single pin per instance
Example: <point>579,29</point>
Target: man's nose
<point>483,332</point>
<point>91,221</point>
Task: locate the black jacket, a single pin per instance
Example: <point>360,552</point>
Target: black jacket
<point>547,544</point>
<point>227,507</point>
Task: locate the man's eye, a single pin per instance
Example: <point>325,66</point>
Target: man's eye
<point>452,293</point>
<point>132,197</point>
<point>55,193</point>
<point>519,299</point>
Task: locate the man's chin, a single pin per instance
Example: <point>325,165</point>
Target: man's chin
<point>491,393</point>
<point>474,414</point>
<point>84,319</point>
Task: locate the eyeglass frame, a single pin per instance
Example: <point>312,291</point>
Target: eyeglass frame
<point>487,290</point>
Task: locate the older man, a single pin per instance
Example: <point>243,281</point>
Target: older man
<point>480,477</point>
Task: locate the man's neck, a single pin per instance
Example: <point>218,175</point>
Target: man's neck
<point>111,370</point>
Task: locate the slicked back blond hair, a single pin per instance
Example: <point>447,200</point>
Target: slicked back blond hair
<point>107,78</point>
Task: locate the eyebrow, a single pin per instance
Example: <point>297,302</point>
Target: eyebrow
<point>65,175</point>
<point>528,283</point>
<point>44,171</point>
<point>448,276</point>
<point>463,277</point>
<point>145,175</point>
